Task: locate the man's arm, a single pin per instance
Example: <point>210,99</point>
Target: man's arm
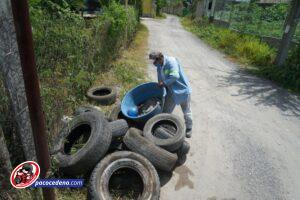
<point>172,74</point>
<point>159,78</point>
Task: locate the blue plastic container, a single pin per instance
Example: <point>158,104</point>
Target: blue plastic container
<point>140,94</point>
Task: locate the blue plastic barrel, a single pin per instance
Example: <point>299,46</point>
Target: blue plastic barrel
<point>139,95</point>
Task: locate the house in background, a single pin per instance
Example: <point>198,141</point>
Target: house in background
<point>149,8</point>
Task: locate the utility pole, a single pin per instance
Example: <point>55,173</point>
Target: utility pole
<point>289,31</point>
<point>25,45</point>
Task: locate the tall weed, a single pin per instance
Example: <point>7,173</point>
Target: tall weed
<point>249,50</point>
<point>228,40</point>
<point>70,52</point>
<point>287,75</point>
<point>255,52</point>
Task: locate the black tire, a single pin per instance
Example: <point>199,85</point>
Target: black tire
<point>184,149</point>
<point>116,113</point>
<point>159,157</point>
<point>103,95</point>
<point>118,128</point>
<point>165,134</point>
<point>181,160</point>
<point>172,143</point>
<point>94,129</point>
<point>86,108</point>
<point>116,145</point>
<point>99,180</point>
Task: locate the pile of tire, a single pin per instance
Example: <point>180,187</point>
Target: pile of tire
<point>113,142</point>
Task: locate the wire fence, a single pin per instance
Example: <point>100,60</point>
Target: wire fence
<point>254,18</point>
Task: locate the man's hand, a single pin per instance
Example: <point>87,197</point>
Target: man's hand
<point>161,84</point>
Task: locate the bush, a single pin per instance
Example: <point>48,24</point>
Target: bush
<point>246,48</point>
<point>276,12</point>
<point>70,52</point>
<point>159,5</point>
<point>254,51</point>
<point>228,39</point>
<point>289,74</point>
<point>249,50</point>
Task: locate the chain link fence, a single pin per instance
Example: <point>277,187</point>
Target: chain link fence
<point>256,18</point>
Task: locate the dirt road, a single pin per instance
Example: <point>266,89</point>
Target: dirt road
<point>246,138</point>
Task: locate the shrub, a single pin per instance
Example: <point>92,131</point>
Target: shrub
<point>255,52</point>
<point>246,48</point>
<point>289,74</point>
<point>249,50</point>
<point>228,39</point>
<point>71,51</point>
<point>159,5</point>
<point>275,12</point>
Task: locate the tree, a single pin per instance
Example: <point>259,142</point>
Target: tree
<point>159,5</point>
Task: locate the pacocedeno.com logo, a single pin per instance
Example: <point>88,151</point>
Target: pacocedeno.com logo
<point>25,174</point>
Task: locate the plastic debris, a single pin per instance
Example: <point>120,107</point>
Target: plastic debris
<point>148,105</point>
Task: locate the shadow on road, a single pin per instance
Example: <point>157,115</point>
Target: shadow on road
<point>263,91</point>
<point>184,178</point>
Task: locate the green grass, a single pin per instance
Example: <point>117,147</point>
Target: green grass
<point>125,72</point>
<point>246,49</point>
<point>254,19</point>
<point>73,55</point>
<point>161,16</point>
<point>255,56</point>
<point>71,194</point>
<point>129,69</point>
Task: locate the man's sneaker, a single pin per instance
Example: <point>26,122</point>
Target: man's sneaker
<point>188,132</point>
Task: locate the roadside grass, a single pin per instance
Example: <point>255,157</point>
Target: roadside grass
<point>124,73</point>
<point>161,16</point>
<point>72,55</point>
<point>255,56</point>
<point>19,194</point>
<point>130,69</point>
<point>71,194</point>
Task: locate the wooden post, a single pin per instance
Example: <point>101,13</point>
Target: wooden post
<point>10,67</point>
<point>289,31</point>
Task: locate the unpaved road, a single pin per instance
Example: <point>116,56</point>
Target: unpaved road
<point>246,138</point>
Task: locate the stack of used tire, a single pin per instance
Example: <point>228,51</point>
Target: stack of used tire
<point>112,143</point>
